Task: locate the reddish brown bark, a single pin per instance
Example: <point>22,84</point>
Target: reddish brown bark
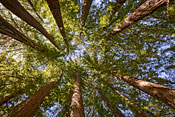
<point>116,8</point>
<point>116,112</point>
<point>159,92</point>
<point>142,11</point>
<point>77,108</point>
<point>55,9</point>
<point>5,99</point>
<point>15,7</point>
<point>9,30</point>
<point>29,107</point>
<point>138,112</point>
<point>85,10</point>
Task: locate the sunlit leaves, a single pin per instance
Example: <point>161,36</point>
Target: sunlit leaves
<point>144,50</point>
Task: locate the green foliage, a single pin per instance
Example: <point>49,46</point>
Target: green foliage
<point>144,50</point>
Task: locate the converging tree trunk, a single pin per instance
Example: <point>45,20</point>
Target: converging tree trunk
<point>15,7</point>
<point>5,99</point>
<point>116,112</point>
<point>29,107</point>
<point>159,92</point>
<point>55,9</point>
<point>138,112</point>
<point>77,108</point>
<point>142,11</point>
<point>86,4</point>
<point>9,30</point>
<point>31,4</point>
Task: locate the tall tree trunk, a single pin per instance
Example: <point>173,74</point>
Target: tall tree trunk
<point>55,9</point>
<point>116,112</point>
<point>31,4</point>
<point>5,99</point>
<point>9,30</point>
<point>142,11</point>
<point>29,107</point>
<point>138,112</point>
<point>15,7</point>
<point>159,92</point>
<point>77,108</point>
<point>85,10</point>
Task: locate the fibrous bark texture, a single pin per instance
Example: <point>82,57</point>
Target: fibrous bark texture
<point>142,11</point>
<point>9,30</point>
<point>5,99</point>
<point>55,9</point>
<point>159,92</point>
<point>15,7</point>
<point>77,108</point>
<point>85,10</point>
<point>29,107</point>
<point>31,4</point>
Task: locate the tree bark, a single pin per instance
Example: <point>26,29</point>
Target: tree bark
<point>142,11</point>
<point>15,7</point>
<point>77,108</point>
<point>138,112</point>
<point>116,112</point>
<point>29,107</point>
<point>55,9</point>
<point>159,92</point>
<point>85,10</point>
<point>5,99</point>
<point>9,30</point>
<point>31,4</point>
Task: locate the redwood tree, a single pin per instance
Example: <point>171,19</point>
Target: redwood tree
<point>30,106</point>
<point>142,11</point>
<point>133,37</point>
<point>159,92</point>
<point>15,7</point>
<point>77,108</point>
<point>5,99</point>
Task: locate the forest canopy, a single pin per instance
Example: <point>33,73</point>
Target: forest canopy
<point>88,58</point>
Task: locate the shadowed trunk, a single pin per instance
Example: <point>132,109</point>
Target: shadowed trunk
<point>116,112</point>
<point>31,4</point>
<point>138,112</point>
<point>116,8</point>
<point>9,30</point>
<point>142,11</point>
<point>77,108</point>
<point>15,7</point>
<point>85,10</point>
<point>5,99</point>
<point>29,107</point>
<point>159,92</point>
<point>55,9</point>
